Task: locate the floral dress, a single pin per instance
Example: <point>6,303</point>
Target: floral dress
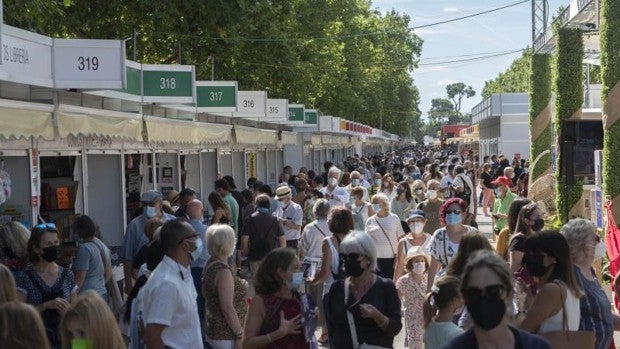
<point>412,293</point>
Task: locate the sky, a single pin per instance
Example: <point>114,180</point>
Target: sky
<point>505,30</point>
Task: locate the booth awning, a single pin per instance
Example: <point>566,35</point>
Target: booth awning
<point>289,137</point>
<point>316,140</point>
<point>74,120</point>
<point>254,136</point>
<point>25,120</point>
<point>187,132</point>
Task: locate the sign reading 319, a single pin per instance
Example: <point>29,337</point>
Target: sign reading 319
<point>89,64</point>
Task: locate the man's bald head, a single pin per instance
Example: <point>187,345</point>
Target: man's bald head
<point>195,209</point>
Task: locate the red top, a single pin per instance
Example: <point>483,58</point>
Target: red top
<point>291,308</point>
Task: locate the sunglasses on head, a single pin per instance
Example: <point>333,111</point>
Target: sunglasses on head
<point>491,291</point>
<point>352,256</point>
<point>453,211</point>
<point>45,226</point>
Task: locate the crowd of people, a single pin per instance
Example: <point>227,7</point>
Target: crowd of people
<point>358,253</point>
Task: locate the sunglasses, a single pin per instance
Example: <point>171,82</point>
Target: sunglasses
<point>489,292</point>
<point>350,256</point>
<point>453,211</point>
<point>45,226</point>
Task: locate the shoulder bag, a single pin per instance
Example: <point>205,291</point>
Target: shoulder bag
<point>386,236</point>
<point>354,339</point>
<point>569,339</point>
<point>115,300</point>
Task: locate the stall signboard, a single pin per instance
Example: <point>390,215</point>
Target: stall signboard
<point>251,104</point>
<point>168,83</point>
<point>88,64</point>
<point>26,57</point>
<point>133,76</point>
<point>311,116</point>
<point>216,96</point>
<point>277,109</point>
<point>296,112</point>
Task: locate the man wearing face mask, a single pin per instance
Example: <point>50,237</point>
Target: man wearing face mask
<point>134,234</point>
<point>290,216</point>
<point>169,295</point>
<point>357,181</point>
<point>504,198</point>
<point>336,195</point>
<point>431,206</point>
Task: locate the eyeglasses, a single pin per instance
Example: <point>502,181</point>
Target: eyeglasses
<point>491,291</point>
<point>350,256</point>
<point>46,226</point>
<point>453,211</point>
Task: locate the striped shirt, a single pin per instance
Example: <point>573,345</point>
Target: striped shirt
<point>595,310</point>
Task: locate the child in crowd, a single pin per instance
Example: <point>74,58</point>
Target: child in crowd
<point>440,305</point>
<point>411,288</point>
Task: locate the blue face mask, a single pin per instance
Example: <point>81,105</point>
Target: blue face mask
<point>497,191</point>
<point>377,181</point>
<point>295,283</point>
<point>453,219</point>
<point>263,209</point>
<point>376,207</point>
<point>150,211</point>
<point>198,251</point>
<point>355,182</point>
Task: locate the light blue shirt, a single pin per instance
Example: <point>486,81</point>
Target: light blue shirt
<point>135,237</point>
<point>88,258</point>
<point>201,230</point>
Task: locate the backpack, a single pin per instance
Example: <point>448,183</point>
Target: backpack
<point>260,243</point>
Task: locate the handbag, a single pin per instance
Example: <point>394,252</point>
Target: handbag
<point>354,340</point>
<point>115,299</point>
<point>569,339</point>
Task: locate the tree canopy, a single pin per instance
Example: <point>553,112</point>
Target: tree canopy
<point>340,56</point>
<point>515,79</point>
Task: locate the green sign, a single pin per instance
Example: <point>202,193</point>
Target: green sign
<point>311,117</point>
<point>167,83</point>
<point>296,112</point>
<point>216,96</point>
<point>134,81</point>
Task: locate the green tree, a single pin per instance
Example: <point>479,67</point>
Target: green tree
<point>515,79</point>
<point>456,92</point>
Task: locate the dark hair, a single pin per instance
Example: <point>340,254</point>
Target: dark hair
<point>151,225</point>
<point>248,196</point>
<point>230,181</point>
<point>185,193</point>
<point>311,174</point>
<point>458,169</point>
<point>84,227</point>
<point>216,201</point>
<point>266,280</point>
<point>327,165</point>
<point>554,244</point>
<point>448,203</point>
<point>318,179</point>
<point>222,184</point>
<point>265,189</point>
<point>470,243</point>
<point>301,184</point>
<point>408,195</point>
<point>36,234</point>
<point>446,288</point>
<point>154,255</point>
<point>250,182</point>
<point>524,212</point>
<point>263,201</point>
<point>172,233</point>
<point>513,212</point>
<point>257,184</point>
<point>340,221</point>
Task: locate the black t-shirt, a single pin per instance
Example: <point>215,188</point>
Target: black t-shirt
<point>517,243</point>
<point>486,180</point>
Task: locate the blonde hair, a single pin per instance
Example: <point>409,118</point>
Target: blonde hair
<point>100,326</point>
<point>14,237</point>
<point>221,240</point>
<point>21,327</point>
<point>7,285</point>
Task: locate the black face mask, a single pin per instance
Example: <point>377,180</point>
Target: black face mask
<point>352,267</point>
<point>539,223</point>
<point>51,253</point>
<point>535,264</point>
<point>487,311</point>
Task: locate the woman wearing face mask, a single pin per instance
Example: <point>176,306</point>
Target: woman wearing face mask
<point>224,292</point>
<point>375,187</point>
<point>274,317</point>
<point>89,323</point>
<point>487,292</point>
<point>45,284</point>
<point>388,188</point>
<point>417,237</point>
<point>360,209</point>
<point>547,258</point>
<point>440,305</point>
<point>585,247</point>
<point>411,289</point>
<point>445,242</point>
<point>418,190</point>
<point>403,202</point>
<point>431,207</point>
<point>363,308</point>
<point>386,229</point>
<point>529,221</point>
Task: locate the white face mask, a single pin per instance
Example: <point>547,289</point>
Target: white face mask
<point>432,194</point>
<point>419,268</point>
<point>332,181</point>
<point>511,176</point>
<point>600,250</point>
<point>417,227</point>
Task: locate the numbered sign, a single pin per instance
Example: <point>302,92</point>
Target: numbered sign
<point>251,104</point>
<point>168,83</point>
<point>216,96</point>
<point>89,64</point>
<point>296,112</point>
<point>277,110</point>
<point>26,57</point>
<point>311,116</point>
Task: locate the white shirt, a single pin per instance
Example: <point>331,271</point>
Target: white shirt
<point>311,242</point>
<point>170,300</point>
<point>291,212</point>
<point>385,231</point>
<point>350,187</point>
<point>338,197</point>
